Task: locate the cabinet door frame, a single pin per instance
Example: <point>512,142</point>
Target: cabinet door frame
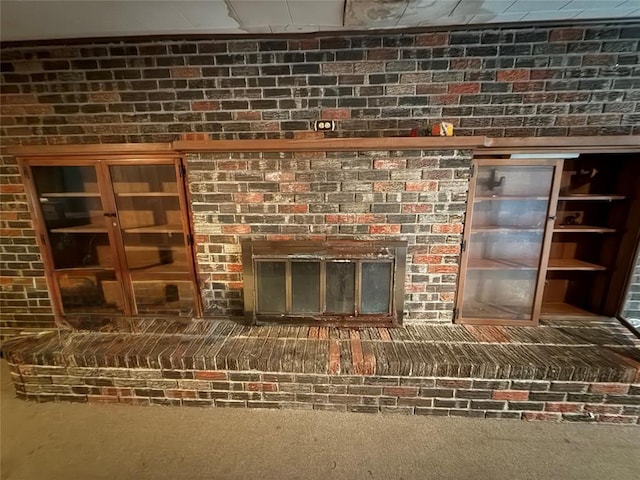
<point>101,165</point>
<point>554,189</point>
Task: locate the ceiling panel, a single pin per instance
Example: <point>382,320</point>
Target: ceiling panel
<point>55,19</point>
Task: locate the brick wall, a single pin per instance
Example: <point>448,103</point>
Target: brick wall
<point>468,397</point>
<point>497,82</point>
<point>377,195</point>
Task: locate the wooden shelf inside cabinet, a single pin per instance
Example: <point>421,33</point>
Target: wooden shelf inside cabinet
<point>155,229</point>
<point>148,194</point>
<point>563,308</point>
<point>502,264</point>
<point>88,228</point>
<point>499,228</point>
<point>572,264</point>
<point>486,198</point>
<point>81,270</point>
<point>590,197</point>
<point>69,194</point>
<point>582,229</point>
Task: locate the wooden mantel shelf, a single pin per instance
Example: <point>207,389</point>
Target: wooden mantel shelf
<point>620,143</point>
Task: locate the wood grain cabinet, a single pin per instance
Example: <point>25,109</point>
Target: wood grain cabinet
<point>547,236</point>
<point>115,235</point>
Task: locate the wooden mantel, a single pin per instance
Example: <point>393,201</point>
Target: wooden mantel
<point>620,143</point>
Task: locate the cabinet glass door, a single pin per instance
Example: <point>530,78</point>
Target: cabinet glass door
<point>152,229</point>
<point>506,231</point>
<point>82,253</point>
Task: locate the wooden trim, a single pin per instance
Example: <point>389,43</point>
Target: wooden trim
<point>552,209</point>
<point>91,149</point>
<point>612,143</point>
<point>552,142</point>
<point>329,144</point>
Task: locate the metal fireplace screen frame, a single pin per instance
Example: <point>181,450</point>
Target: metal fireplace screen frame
<point>366,257</point>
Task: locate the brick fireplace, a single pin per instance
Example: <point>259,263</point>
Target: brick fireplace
<point>415,196</point>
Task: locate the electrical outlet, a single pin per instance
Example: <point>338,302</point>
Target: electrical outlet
<point>324,125</point>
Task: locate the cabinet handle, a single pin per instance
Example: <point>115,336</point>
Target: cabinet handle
<point>552,217</point>
<point>112,215</point>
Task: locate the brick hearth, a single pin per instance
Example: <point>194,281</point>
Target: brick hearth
<point>588,371</point>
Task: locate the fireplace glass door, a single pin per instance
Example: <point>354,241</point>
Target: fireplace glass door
<point>322,285</point>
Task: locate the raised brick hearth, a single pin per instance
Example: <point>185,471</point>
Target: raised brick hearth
<point>588,371</point>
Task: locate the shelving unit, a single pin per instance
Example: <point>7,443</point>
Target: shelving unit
<point>581,215</point>
<point>109,226</point>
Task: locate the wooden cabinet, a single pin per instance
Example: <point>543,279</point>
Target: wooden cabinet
<point>546,237</point>
<point>115,234</point>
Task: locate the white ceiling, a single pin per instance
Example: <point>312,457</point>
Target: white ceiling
<point>54,19</point>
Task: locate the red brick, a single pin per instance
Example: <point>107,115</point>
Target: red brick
<point>516,75</point>
<point>236,229</point>
<point>510,395</point>
<point>542,416</point>
<point>564,34</point>
<point>185,72</point>
<point>195,136</point>
<point>279,237</point>
<point>617,388</point>
<point>106,97</point>
<point>336,114</point>
<point>464,87</point>
<point>205,105</point>
<point>442,268</point>
<point>231,165</point>
<point>248,197</point>
<point>249,115</point>
<point>417,208</point>
<point>209,375</point>
<point>334,358</point>
<point>432,39</point>
<point>432,259</point>
<point>340,218</point>
<point>563,407</point>
<point>10,188</point>
<point>447,296</point>
<point>18,99</point>
<point>544,74</point>
<point>444,249</point>
<point>378,229</point>
<point>369,218</point>
<point>415,288</point>
<point>293,208</point>
<point>422,186</point>
<point>401,391</point>
<point>446,228</point>
<point>261,387</point>
<point>465,64</point>
<point>390,164</point>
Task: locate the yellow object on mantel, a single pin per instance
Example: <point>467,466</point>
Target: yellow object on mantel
<point>442,129</point>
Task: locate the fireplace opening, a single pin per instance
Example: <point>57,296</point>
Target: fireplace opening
<point>332,282</point>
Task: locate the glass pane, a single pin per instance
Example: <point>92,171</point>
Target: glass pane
<point>631,307</point>
<point>165,297</point>
<point>499,294</point>
<point>81,250</point>
<point>340,287</point>
<point>90,292</point>
<point>72,211</point>
<point>305,287</point>
<point>507,231</point>
<point>150,218</point>
<point>271,287</point>
<point>376,287</point>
